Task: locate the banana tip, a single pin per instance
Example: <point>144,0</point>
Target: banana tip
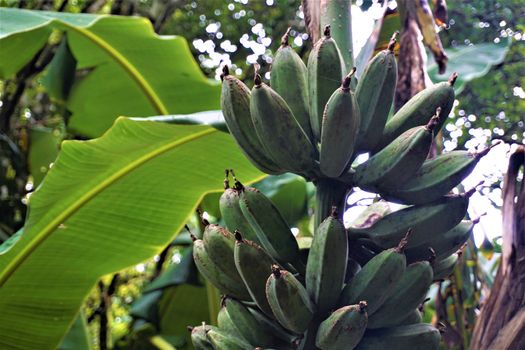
<point>327,32</point>
<point>432,257</point>
<point>362,306</point>
<point>453,78</point>
<point>225,72</point>
<point>238,236</point>
<point>285,37</point>
<point>276,271</point>
<point>434,121</point>
<point>393,41</point>
<point>403,243</point>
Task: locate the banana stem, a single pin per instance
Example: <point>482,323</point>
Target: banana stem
<point>337,13</point>
<point>329,193</point>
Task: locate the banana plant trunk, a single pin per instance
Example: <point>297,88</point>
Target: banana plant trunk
<point>501,324</point>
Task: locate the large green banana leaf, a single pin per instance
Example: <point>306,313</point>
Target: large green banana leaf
<point>131,71</point>
<point>106,204</point>
<point>470,62</point>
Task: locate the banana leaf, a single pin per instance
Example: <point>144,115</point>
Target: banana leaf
<point>123,67</point>
<point>106,204</point>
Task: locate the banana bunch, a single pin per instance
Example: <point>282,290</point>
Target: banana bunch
<point>272,301</point>
<point>360,287</point>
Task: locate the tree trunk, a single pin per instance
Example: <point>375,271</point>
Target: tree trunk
<point>501,324</point>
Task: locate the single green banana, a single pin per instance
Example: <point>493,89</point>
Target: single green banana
<point>220,243</point>
<point>269,225</point>
<point>436,177</point>
<point>443,244</point>
<point>225,322</point>
<point>289,79</point>
<point>289,300</point>
<point>326,267</point>
<point>424,221</point>
<point>198,337</point>
<point>409,292</point>
<point>419,108</point>
<point>340,126</point>
<point>282,136</point>
<point>375,281</point>
<point>413,317</point>
<point>444,268</point>
<point>399,161</point>
<point>343,329</point>
<point>248,326</point>
<point>254,266</point>
<point>235,105</point>
<point>222,340</point>
<point>232,214</point>
<point>375,94</point>
<point>325,71</point>
<point>419,336</point>
<point>215,274</point>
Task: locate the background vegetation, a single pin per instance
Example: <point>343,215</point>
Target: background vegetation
<point>154,298</point>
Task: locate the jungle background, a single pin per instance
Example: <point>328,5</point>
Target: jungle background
<point>148,305</point>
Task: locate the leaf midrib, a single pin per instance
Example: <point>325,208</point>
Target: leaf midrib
<point>48,230</point>
<point>143,84</point>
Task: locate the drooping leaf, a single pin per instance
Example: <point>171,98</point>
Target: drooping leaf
<point>128,69</point>
<point>77,338</point>
<point>106,204</point>
<point>43,150</point>
<point>470,62</point>
<point>60,73</point>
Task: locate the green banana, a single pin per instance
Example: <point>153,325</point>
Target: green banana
<point>248,326</point>
<point>419,108</point>
<point>283,138</point>
<point>235,105</point>
<point>375,94</point>
<point>399,161</point>
<point>269,225</point>
<point>215,274</point>
<point>436,177</point>
<point>325,71</point>
<point>231,212</point>
<point>413,317</point>
<point>222,340</point>
<point>289,300</point>
<point>339,130</point>
<point>409,292</point>
<point>220,244</point>
<point>326,267</point>
<point>343,329</point>
<point>419,336</point>
<point>424,221</point>
<point>375,280</point>
<point>198,337</point>
<point>288,68</point>
<point>444,268</point>
<point>254,266</point>
<point>443,244</point>
<point>225,322</point>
